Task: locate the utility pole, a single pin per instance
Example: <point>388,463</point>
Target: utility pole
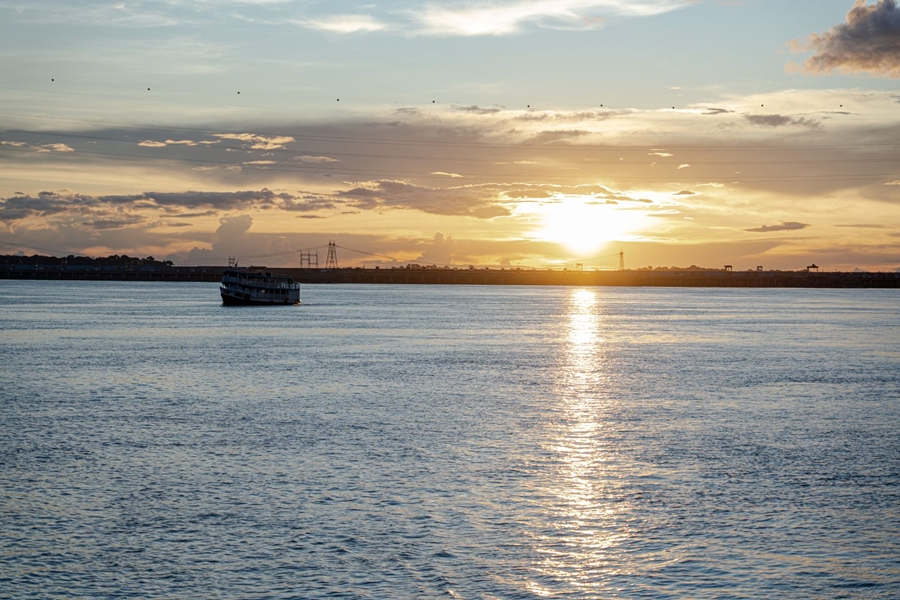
<point>621,260</point>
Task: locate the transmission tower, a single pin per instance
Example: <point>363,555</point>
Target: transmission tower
<point>621,260</point>
<point>331,261</point>
<point>310,259</point>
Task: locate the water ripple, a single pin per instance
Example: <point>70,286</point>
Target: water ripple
<point>429,442</point>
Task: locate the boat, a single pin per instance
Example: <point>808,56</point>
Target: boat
<point>249,288</point>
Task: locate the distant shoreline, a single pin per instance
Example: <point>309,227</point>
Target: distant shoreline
<point>444,276</point>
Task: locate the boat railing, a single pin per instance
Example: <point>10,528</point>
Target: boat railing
<point>259,283</point>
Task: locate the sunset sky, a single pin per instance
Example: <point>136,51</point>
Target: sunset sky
<point>507,132</point>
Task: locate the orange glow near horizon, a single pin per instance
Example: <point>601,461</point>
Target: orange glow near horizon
<point>583,225</point>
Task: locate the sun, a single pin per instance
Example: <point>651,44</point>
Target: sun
<point>583,224</point>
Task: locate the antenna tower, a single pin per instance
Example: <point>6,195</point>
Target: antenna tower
<point>331,261</point>
<point>621,260</point>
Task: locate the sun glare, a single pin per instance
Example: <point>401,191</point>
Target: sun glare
<point>583,225</point>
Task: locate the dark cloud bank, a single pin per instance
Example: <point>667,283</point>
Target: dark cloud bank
<point>868,42</point>
<point>782,121</point>
<point>784,226</point>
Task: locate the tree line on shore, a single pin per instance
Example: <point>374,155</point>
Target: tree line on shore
<point>116,260</point>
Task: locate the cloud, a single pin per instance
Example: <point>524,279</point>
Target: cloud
<point>717,111</point>
<point>315,159</point>
<point>505,18</point>
<point>439,251</point>
<point>477,110</point>
<point>50,147</point>
<point>830,174</point>
<point>558,193</point>
<point>54,203</point>
<point>659,153</point>
<point>43,205</point>
<point>101,14</point>
<point>194,215</point>
<point>685,193</point>
<point>784,226</point>
<point>782,121</point>
<point>472,201</point>
<point>258,141</point>
<point>558,135</point>
<point>579,116</point>
<point>529,193</point>
<point>684,166</point>
<point>869,42</point>
<point>893,182</point>
<point>233,227</point>
<point>53,148</point>
<point>445,174</point>
<point>157,144</point>
<point>107,223</point>
<point>232,238</point>
<point>195,199</point>
<point>345,24</point>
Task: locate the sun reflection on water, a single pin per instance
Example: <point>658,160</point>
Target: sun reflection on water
<point>583,499</point>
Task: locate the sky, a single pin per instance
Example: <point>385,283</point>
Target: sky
<point>513,133</point>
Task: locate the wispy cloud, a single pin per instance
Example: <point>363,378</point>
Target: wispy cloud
<point>473,201</point>
<point>158,144</point>
<point>477,110</point>
<point>51,203</point>
<point>53,147</point>
<point>314,159</point>
<point>783,226</point>
<point>712,110</point>
<point>782,121</point>
<point>258,141</point>
<point>344,24</point>
<point>504,18</point>
<point>114,223</point>
<point>558,135</point>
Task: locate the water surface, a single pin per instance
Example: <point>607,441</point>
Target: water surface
<point>459,442</point>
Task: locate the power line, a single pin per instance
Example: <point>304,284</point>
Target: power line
<point>326,167</point>
<point>368,253</point>
<point>286,253</point>
<point>38,248</point>
<point>299,154</point>
<point>451,144</point>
